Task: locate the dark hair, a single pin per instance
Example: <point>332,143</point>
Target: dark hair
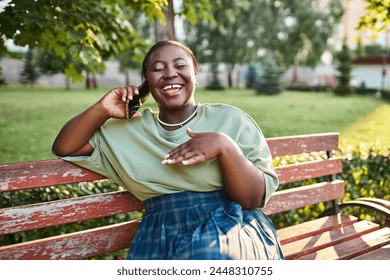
<point>164,43</point>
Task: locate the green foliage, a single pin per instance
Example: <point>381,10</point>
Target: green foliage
<point>344,67</point>
<point>251,76</point>
<point>377,18</point>
<point>2,80</point>
<point>374,50</point>
<point>269,82</point>
<point>29,73</point>
<point>296,31</point>
<point>194,11</point>
<point>365,174</point>
<point>88,31</point>
<point>385,94</point>
<point>214,83</point>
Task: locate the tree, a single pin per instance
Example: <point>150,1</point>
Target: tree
<point>344,67</point>
<point>192,11</point>
<point>295,31</point>
<point>377,18</point>
<point>50,63</point>
<point>251,76</point>
<point>88,31</point>
<point>131,59</point>
<point>269,82</point>
<point>224,40</point>
<point>29,74</point>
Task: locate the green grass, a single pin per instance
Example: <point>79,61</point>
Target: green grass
<point>31,118</point>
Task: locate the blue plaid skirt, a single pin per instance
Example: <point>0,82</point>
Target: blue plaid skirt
<point>203,226</point>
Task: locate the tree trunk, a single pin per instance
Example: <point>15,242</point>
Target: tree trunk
<point>127,78</point>
<point>94,81</point>
<point>67,83</point>
<point>87,80</point>
<point>230,79</point>
<point>294,79</point>
<point>167,31</point>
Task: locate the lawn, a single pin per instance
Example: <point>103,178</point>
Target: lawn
<point>31,118</point>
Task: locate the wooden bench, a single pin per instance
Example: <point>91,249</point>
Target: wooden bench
<point>333,236</point>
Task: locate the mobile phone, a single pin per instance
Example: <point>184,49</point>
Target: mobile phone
<point>139,99</point>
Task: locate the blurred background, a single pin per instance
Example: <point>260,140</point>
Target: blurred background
<point>102,43</point>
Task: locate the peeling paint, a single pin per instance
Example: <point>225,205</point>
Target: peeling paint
<point>19,217</point>
<point>4,186</point>
<point>74,173</point>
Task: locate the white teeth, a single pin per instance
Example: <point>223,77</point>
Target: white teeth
<point>175,86</point>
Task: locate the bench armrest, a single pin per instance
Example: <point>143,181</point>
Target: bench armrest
<point>376,204</point>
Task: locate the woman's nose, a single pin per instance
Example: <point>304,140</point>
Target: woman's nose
<point>170,72</point>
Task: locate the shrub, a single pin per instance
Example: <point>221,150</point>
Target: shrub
<point>251,75</point>
<point>344,67</point>
<point>385,94</point>
<point>269,82</point>
<point>365,173</point>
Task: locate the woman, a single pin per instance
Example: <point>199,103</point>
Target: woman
<point>202,170</point>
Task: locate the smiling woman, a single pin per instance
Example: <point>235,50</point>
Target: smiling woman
<point>209,169</point>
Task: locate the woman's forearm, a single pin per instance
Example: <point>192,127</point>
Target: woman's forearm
<point>243,181</point>
<point>74,136</point>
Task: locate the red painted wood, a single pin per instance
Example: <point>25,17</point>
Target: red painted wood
<point>382,253</point>
<point>79,245</point>
<point>314,227</point>
<point>290,145</point>
<point>306,170</point>
<point>333,231</point>
<point>353,248</point>
<point>36,174</point>
<point>298,197</point>
<point>26,175</point>
<point>335,236</point>
<point>27,217</point>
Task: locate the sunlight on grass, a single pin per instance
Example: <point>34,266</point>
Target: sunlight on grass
<point>30,118</point>
<point>374,125</point>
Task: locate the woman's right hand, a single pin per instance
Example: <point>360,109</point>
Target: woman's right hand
<point>74,136</point>
<point>115,102</point>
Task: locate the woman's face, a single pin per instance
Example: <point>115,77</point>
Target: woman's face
<point>171,77</point>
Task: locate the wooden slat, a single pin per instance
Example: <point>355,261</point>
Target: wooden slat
<point>74,246</point>
<point>353,248</point>
<point>22,218</point>
<point>290,145</point>
<point>306,170</point>
<point>298,197</point>
<point>326,239</point>
<point>36,174</point>
<point>382,253</point>
<point>314,227</point>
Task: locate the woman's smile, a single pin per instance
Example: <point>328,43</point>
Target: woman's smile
<point>172,89</point>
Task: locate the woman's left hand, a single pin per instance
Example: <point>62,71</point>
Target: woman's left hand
<point>200,148</point>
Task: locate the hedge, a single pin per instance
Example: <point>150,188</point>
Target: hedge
<point>366,173</point>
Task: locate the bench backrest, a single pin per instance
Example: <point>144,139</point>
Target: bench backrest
<point>87,243</point>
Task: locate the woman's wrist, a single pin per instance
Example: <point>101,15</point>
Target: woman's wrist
<point>100,112</point>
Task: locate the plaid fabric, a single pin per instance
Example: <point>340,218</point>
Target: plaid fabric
<point>193,225</point>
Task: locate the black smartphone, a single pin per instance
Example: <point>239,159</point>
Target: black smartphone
<point>138,100</point>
